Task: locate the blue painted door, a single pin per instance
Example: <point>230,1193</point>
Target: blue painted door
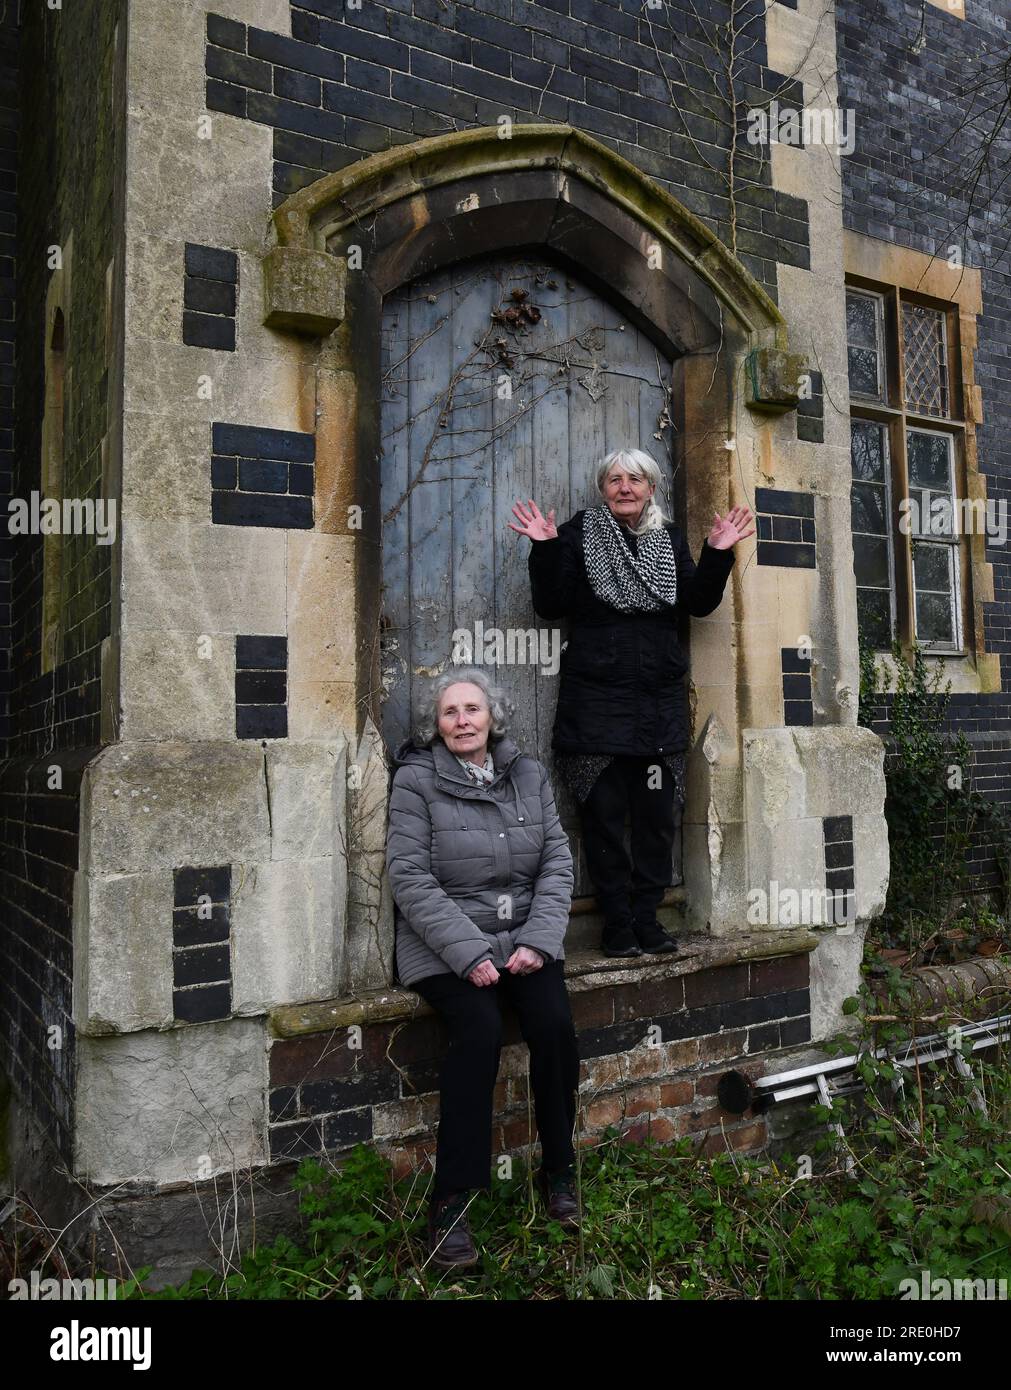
<point>502,379</point>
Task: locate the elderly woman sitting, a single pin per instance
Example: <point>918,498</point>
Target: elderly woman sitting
<point>482,878</point>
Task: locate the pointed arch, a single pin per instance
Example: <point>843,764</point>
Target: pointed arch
<point>414,208</point>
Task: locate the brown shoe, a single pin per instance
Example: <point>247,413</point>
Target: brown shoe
<point>559,1193</point>
<point>449,1239</point>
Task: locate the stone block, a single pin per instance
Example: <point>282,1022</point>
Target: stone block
<point>122,952</point>
<point>172,1106</point>
<point>145,806</point>
<point>772,378</point>
<point>303,290</point>
<point>177,686</point>
<point>194,576</point>
<point>285,929</point>
<point>307,789</point>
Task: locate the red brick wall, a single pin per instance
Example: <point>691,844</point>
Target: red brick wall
<point>327,1094</point>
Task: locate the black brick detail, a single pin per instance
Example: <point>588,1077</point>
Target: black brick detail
<point>200,965</point>
<point>262,477</point>
<point>283,1103</point>
<point>347,1129</point>
<point>371,1088</point>
<point>779,502</point>
<point>226,33</point>
<point>203,1004</point>
<point>201,953</point>
<point>190,928</point>
<point>295,1140</point>
<point>261,687</point>
<point>210,286</point>
<point>798,707</point>
<point>763,1038</point>
<point>793,1031</point>
<point>261,653</point>
<point>786,556</point>
<point>253,441</point>
<point>190,884</point>
<point>203,330</point>
<point>837,828</point>
<point>785,528</point>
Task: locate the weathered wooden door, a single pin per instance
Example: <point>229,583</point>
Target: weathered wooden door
<point>503,379</point>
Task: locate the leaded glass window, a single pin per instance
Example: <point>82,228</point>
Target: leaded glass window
<point>925,359</point>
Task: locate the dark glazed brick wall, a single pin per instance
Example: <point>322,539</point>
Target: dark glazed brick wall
<point>348,83</point>
<point>914,146</point>
<point>71,150</point>
<point>9,136</point>
<point>61,141</point>
<point>38,859</point>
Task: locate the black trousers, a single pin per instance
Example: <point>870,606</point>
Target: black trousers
<point>621,884</point>
<point>470,1068</point>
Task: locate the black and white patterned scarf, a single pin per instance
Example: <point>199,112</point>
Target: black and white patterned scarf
<point>640,583</point>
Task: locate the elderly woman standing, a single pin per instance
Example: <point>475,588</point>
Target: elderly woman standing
<point>481,874</point>
<point>623,574</point>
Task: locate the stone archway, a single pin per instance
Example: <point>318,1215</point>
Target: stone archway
<point>351,238</point>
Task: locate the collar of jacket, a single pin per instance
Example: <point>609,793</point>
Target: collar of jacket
<point>451,777</point>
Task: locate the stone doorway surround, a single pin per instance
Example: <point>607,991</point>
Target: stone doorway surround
<point>299,822</point>
<point>351,237</point>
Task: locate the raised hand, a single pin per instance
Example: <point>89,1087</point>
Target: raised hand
<point>532,523</point>
<point>728,530</point>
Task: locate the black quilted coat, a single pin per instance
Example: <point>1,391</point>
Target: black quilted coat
<point>621,687</point>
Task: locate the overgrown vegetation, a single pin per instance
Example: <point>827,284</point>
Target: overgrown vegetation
<point>936,817</point>
<point>921,1182</point>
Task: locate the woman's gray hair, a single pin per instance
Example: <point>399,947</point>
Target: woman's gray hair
<point>641,465</point>
<point>502,708</point>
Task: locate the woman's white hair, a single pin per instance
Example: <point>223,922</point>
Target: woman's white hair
<point>640,465</point>
<point>501,707</point>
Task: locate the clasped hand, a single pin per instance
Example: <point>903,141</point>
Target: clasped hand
<point>523,961</point>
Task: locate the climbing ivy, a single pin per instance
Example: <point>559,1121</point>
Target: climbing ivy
<point>935,816</point>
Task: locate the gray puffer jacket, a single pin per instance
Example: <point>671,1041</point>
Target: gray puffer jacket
<point>475,870</point>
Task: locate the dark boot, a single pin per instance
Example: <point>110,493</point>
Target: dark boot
<point>559,1193</point>
<point>651,936</point>
<point>618,938</point>
<point>449,1239</point>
